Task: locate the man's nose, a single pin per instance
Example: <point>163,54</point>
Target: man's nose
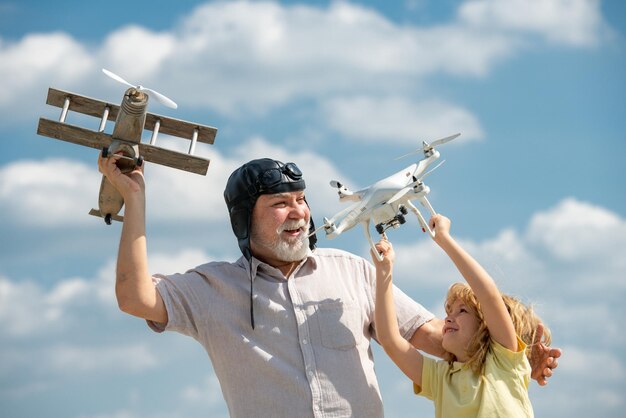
<point>298,211</point>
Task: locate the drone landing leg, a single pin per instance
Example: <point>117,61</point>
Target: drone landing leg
<point>368,235</point>
<point>422,221</point>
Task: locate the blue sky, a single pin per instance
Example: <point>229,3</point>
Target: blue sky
<point>534,185</point>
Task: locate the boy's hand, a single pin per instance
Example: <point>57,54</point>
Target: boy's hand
<point>384,248</point>
<point>441,227</point>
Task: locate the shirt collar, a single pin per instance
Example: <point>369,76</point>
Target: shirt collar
<point>254,265</point>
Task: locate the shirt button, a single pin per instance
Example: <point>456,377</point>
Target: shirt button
<point>304,341</point>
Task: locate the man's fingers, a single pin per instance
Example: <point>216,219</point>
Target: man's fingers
<point>538,334</point>
<point>547,372</point>
<point>555,352</point>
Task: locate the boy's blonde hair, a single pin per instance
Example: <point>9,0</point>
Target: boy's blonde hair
<point>524,319</point>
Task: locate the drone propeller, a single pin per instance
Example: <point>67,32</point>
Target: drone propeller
<point>431,170</point>
<point>409,186</point>
<point>442,141</point>
<point>160,97</point>
<point>427,147</point>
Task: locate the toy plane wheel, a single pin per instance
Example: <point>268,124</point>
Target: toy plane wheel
<point>380,229</point>
<point>107,219</point>
<point>139,161</point>
<point>105,152</point>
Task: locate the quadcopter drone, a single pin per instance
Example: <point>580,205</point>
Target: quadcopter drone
<point>131,119</point>
<point>387,201</point>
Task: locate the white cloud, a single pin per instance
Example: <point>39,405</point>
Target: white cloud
<point>63,359</point>
<point>173,194</point>
<point>80,359</point>
<point>559,264</point>
<point>506,256</point>
<point>37,58</point>
<point>48,193</point>
<point>569,22</point>
<point>575,230</point>
<point>136,52</point>
<point>208,393</point>
<point>580,363</point>
<point>566,314</point>
<point>398,119</point>
<point>253,56</point>
<point>26,308</point>
<point>177,263</point>
<point>58,192</point>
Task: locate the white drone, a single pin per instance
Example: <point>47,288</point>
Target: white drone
<point>388,200</point>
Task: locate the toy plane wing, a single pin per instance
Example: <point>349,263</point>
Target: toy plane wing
<point>106,111</point>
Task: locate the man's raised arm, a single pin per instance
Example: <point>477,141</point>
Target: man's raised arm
<point>135,292</point>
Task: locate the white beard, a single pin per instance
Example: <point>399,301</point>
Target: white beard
<point>289,249</point>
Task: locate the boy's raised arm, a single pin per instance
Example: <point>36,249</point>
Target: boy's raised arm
<point>403,354</point>
<point>496,315</point>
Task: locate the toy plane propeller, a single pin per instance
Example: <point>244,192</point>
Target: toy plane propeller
<point>160,97</point>
<point>386,202</point>
<point>131,119</point>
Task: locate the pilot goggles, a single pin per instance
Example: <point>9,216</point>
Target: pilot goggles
<point>274,176</point>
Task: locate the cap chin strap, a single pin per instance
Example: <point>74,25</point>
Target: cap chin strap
<point>251,295</point>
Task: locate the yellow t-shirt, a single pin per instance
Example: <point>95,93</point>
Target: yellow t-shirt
<point>459,392</point>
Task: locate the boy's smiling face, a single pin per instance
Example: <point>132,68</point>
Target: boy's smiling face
<point>460,325</point>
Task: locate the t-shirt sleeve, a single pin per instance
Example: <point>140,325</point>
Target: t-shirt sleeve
<point>514,361</point>
<point>431,377</point>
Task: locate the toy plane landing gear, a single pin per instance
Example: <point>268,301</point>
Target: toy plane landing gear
<point>131,118</point>
<point>386,202</point>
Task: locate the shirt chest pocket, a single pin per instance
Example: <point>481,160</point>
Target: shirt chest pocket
<point>338,322</point>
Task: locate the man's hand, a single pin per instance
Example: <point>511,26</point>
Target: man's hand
<point>126,184</point>
<point>543,359</point>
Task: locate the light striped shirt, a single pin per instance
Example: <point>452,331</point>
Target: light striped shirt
<point>309,355</point>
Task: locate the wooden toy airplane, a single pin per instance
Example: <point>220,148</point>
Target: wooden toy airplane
<point>131,118</point>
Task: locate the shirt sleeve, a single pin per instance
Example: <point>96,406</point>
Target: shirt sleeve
<point>178,294</point>
<point>514,361</point>
<point>431,377</point>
